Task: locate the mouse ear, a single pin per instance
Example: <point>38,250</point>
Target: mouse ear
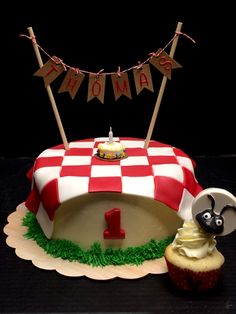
<point>223,200</point>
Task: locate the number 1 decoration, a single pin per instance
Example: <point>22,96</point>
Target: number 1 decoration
<point>113,230</point>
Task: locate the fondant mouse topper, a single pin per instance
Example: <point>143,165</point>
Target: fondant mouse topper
<point>214,210</point>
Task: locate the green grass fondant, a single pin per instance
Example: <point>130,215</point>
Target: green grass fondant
<point>94,256</point>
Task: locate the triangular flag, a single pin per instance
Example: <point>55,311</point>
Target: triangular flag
<point>164,63</point>
<point>120,85</point>
<point>143,78</point>
<point>50,71</point>
<point>96,87</point>
<point>71,82</point>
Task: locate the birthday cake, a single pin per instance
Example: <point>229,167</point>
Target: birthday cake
<point>111,150</point>
<point>132,205</point>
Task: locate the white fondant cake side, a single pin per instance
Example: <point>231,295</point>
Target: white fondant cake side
<point>44,221</point>
<point>82,220</point>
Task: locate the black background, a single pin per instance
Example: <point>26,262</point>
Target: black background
<point>197,111</point>
<point>196,115</point>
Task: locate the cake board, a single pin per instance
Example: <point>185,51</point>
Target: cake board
<point>28,249</point>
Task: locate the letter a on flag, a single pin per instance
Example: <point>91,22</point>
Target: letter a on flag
<point>143,78</point>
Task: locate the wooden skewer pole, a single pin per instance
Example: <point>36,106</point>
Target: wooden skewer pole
<point>49,91</point>
<point>161,91</point>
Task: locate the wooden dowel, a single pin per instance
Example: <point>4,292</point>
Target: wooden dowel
<point>49,90</point>
<point>161,91</point>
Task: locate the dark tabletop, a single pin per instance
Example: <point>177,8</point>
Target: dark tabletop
<point>27,289</point>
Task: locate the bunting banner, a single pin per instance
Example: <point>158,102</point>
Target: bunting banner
<point>164,63</point>
<point>143,78</point>
<point>71,82</point>
<point>120,80</point>
<point>96,82</point>
<point>120,83</point>
<point>96,87</point>
<point>50,71</point>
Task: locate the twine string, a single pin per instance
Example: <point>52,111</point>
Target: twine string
<point>118,72</point>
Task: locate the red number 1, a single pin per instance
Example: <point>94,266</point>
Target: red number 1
<point>113,230</point>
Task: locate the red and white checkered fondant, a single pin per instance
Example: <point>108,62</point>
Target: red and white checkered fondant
<point>161,172</point>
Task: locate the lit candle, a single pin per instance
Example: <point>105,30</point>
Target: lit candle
<point>110,136</point>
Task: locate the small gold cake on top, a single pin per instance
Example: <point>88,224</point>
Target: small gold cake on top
<point>111,149</point>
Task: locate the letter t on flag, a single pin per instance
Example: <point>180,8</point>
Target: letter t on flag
<point>50,71</point>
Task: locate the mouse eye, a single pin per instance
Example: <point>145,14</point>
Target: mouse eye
<point>219,222</point>
<point>207,215</point>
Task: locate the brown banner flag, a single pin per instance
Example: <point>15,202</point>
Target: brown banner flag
<point>96,87</point>
<point>71,82</point>
<point>120,85</point>
<point>50,71</point>
<point>143,78</point>
<point>164,63</point>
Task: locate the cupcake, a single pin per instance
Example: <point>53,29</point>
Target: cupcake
<point>193,262</point>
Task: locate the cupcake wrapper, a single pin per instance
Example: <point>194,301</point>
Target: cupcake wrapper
<point>193,281</point>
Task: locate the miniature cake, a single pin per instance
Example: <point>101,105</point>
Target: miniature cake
<point>111,150</point>
<point>120,205</point>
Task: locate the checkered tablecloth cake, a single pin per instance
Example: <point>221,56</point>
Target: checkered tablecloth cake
<point>160,172</point>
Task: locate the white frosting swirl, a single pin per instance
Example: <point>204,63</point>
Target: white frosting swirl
<point>192,241</point>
